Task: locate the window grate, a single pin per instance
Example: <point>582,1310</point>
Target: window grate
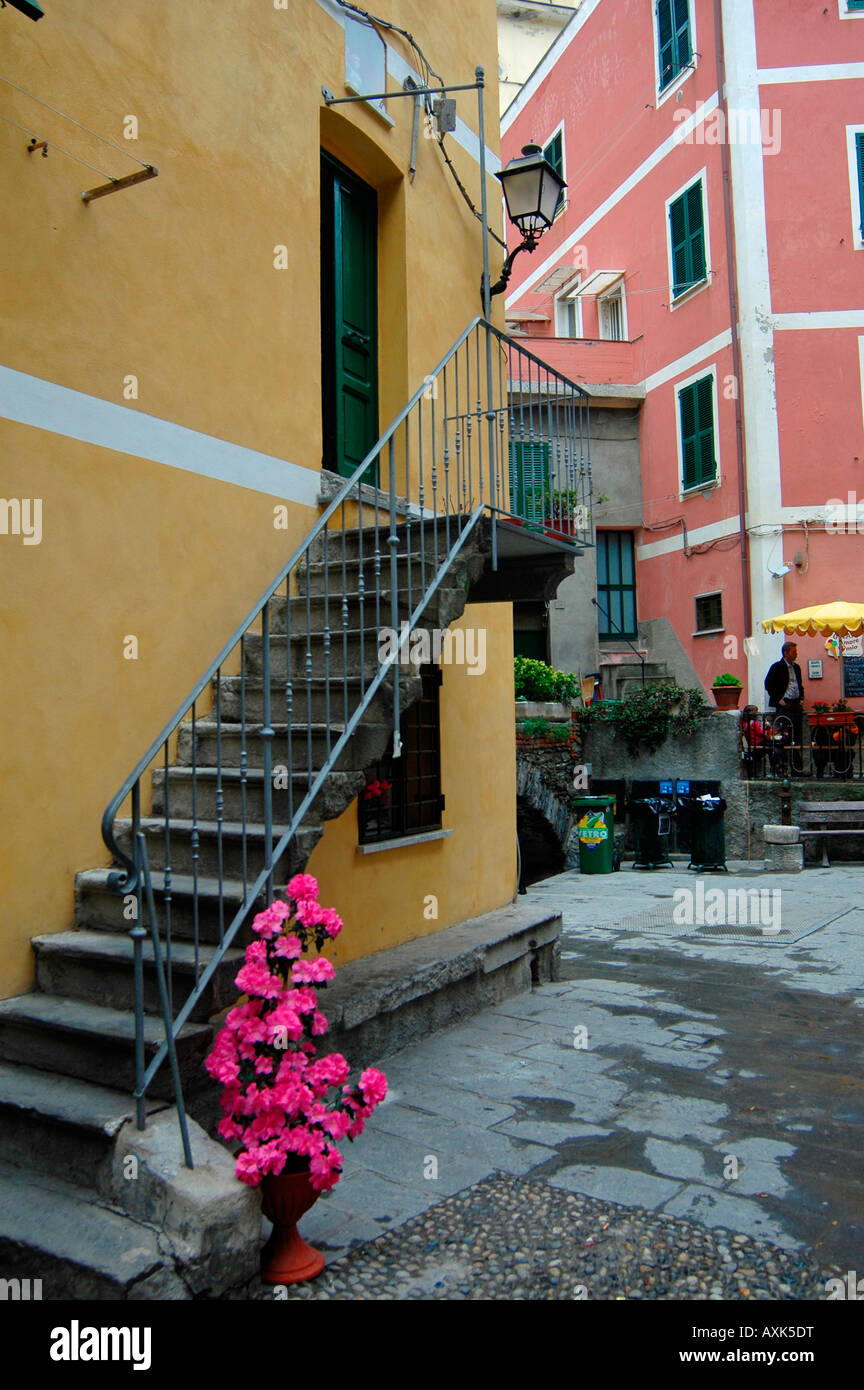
<point>709,612</point>
<point>403,795</point>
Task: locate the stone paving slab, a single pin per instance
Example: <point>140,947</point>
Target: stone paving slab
<point>697,1052</point>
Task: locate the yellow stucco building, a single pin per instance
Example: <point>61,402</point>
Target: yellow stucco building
<point>162,400</point>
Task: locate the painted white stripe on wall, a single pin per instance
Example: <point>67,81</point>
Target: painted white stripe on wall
<point>715,531</point>
<point>818,318</point>
<point>44,405</point>
<point>677,138</point>
<point>547,63</point>
<point>688,361</point>
<point>398,68</point>
<point>818,72</point>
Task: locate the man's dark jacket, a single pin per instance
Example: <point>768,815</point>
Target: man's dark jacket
<point>777,681</point>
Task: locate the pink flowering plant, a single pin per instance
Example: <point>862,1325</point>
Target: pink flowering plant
<point>276,1095</point>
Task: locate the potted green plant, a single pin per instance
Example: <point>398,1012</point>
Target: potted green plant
<point>726,690</point>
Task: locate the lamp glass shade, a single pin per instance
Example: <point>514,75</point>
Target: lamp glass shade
<point>532,189</point>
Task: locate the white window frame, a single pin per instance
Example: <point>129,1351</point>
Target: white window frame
<point>543,143</point>
<point>847,13</point>
<point>718,476</point>
<point>664,93</point>
<point>569,294</point>
<point>709,631</point>
<point>851,132</point>
<point>615,291</point>
<point>675,303</point>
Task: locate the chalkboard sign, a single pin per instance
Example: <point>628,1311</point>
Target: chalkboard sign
<point>853,676</point>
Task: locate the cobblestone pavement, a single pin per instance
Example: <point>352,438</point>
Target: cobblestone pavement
<point>679,1116</point>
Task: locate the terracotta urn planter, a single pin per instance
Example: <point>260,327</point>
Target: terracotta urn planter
<point>727,696</point>
<point>287,1258</point>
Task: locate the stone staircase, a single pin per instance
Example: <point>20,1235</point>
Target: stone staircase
<point>67,1049</point>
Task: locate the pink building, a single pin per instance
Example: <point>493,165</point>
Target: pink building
<point>714,158</point>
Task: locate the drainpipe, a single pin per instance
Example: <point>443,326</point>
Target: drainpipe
<point>732,277</point>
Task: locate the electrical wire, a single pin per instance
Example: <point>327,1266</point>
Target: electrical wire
<point>80,125</point>
<point>59,148</point>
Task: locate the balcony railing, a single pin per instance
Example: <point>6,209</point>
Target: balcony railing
<point>830,746</point>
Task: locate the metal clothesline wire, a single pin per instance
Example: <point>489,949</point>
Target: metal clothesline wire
<point>80,125</point>
<point>59,148</point>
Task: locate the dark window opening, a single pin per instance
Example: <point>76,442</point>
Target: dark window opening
<point>709,612</point>
<point>403,795</point>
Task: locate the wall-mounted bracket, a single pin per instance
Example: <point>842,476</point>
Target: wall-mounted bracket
<point>38,145</point>
<point>116,184</point>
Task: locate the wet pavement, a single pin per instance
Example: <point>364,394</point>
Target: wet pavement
<point>698,1083</point>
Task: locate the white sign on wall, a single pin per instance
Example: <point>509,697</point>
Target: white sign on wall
<point>852,646</point>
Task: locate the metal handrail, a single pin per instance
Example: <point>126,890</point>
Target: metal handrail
<point>473,440</point>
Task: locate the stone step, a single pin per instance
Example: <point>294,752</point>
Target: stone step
<point>235,851</point>
<point>296,748</point>
<point>345,610</point>
<point>432,534</point>
<point>344,576</point>
<point>51,1126</point>
<point>315,701</point>
<point>79,1248</point>
<point>338,791</point>
<point>97,967</point>
<point>99,908</point>
<point>95,1044</point>
<point>355,651</point>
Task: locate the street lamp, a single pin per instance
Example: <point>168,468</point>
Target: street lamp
<point>532,191</point>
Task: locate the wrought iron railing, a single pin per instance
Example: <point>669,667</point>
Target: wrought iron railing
<point>492,432</point>
<point>824,747</point>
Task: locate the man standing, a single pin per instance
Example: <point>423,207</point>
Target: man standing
<point>785,688</point>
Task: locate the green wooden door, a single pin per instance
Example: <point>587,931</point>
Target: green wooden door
<point>349,309</point>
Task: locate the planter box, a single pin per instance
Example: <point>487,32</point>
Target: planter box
<point>836,719</point>
<point>542,709</point>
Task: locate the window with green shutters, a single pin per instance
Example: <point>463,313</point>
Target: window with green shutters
<point>529,478</point>
<point>696,407</point>
<point>616,585</point>
<point>674,49</point>
<point>554,152</point>
<point>687,235</point>
<point>855,4</point>
<point>859,158</point>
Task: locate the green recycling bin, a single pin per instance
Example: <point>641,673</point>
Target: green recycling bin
<point>595,826</point>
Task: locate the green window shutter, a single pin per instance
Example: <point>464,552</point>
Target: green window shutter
<point>616,585</point>
<point>687,234</point>
<point>673,39</point>
<point>855,5</point>
<point>554,152</point>
<point>529,479</point>
<point>859,150</point>
<point>678,234</point>
<point>696,405</point>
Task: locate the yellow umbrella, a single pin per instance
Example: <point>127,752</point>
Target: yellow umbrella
<point>845,619</point>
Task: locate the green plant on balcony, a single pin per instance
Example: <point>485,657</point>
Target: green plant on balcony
<point>821,707</point>
<point>534,680</point>
<point>841,707</point>
<point>727,678</point>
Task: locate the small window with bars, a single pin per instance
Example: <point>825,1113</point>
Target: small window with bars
<point>403,795</point>
<point>709,612</point>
